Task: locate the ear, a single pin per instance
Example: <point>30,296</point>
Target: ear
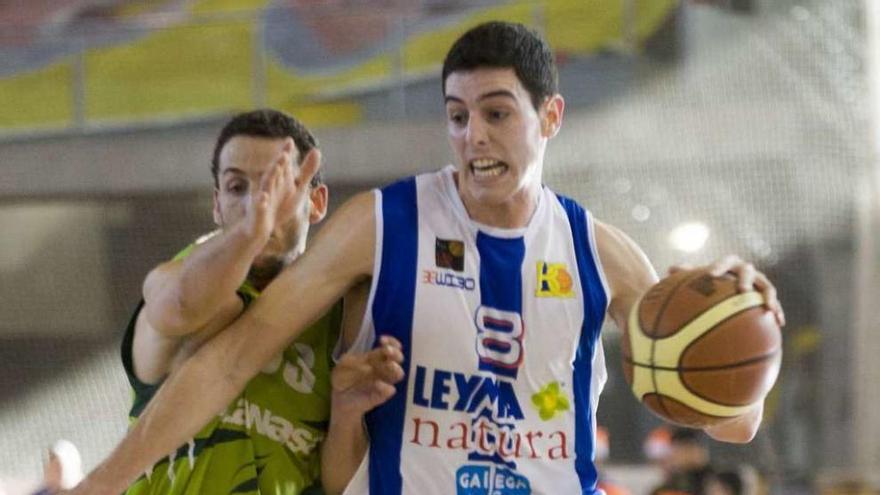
<point>318,199</point>
<point>218,216</point>
<point>551,118</point>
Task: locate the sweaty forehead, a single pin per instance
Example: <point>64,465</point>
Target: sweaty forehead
<point>480,84</point>
<point>251,153</point>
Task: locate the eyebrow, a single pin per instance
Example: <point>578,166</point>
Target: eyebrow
<point>233,170</point>
<point>490,94</point>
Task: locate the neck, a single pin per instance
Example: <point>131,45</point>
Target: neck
<point>261,274</point>
<point>513,213</point>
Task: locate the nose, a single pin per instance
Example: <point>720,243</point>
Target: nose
<point>477,133</point>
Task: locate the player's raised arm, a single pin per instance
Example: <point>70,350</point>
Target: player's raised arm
<point>341,255</point>
<point>183,295</point>
<point>190,298</point>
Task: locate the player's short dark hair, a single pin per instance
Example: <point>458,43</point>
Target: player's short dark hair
<point>267,123</point>
<point>506,45</point>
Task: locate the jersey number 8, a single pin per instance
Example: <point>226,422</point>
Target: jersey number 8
<point>499,340</point>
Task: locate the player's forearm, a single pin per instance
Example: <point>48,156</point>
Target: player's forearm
<point>187,297</point>
<point>343,451</point>
<point>217,268</point>
<point>172,418</point>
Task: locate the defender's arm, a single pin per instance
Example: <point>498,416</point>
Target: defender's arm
<point>341,255</point>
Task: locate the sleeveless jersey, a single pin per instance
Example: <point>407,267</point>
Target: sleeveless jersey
<point>500,330</point>
<point>267,440</point>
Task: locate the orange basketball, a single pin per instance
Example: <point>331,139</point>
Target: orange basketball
<point>697,352</point>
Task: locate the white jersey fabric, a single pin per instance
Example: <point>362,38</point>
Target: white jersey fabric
<point>500,332</point>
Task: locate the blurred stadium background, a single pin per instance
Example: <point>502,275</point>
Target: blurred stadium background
<point>744,126</point>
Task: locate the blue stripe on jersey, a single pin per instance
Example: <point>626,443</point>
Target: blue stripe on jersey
<point>500,289</point>
<point>499,326</point>
<point>393,305</point>
<point>595,303</point>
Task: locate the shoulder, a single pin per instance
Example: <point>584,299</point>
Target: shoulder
<point>623,262</point>
<point>618,251</point>
<point>627,269</point>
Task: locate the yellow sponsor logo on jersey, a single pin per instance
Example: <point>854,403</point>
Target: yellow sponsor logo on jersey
<point>554,280</point>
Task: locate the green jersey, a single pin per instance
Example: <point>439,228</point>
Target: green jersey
<point>267,440</point>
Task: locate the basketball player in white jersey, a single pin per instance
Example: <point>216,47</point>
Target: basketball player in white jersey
<point>487,295</point>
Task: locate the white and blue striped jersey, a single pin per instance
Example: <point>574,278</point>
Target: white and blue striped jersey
<point>500,332</point>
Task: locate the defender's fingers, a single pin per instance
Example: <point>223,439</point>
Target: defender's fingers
<point>353,367</point>
<point>392,353</point>
<point>309,167</point>
<point>287,154</point>
<point>260,201</point>
<point>389,372</point>
<point>289,146</point>
<point>393,348</point>
<point>385,354</point>
<point>269,179</point>
<point>389,340</point>
<point>349,370</point>
<point>381,392</point>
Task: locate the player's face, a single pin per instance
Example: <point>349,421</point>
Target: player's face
<point>498,137</point>
<point>243,162</point>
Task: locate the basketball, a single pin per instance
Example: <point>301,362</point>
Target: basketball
<point>697,352</point>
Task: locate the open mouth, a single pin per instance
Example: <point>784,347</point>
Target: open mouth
<point>487,167</point>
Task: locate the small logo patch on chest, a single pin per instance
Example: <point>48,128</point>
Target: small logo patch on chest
<point>449,254</point>
<point>554,280</point>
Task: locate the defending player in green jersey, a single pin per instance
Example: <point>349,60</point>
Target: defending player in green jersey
<point>267,441</point>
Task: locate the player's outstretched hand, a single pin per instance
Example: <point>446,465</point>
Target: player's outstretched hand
<point>749,277</point>
<point>282,191</point>
<point>294,187</point>
<point>362,381</point>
